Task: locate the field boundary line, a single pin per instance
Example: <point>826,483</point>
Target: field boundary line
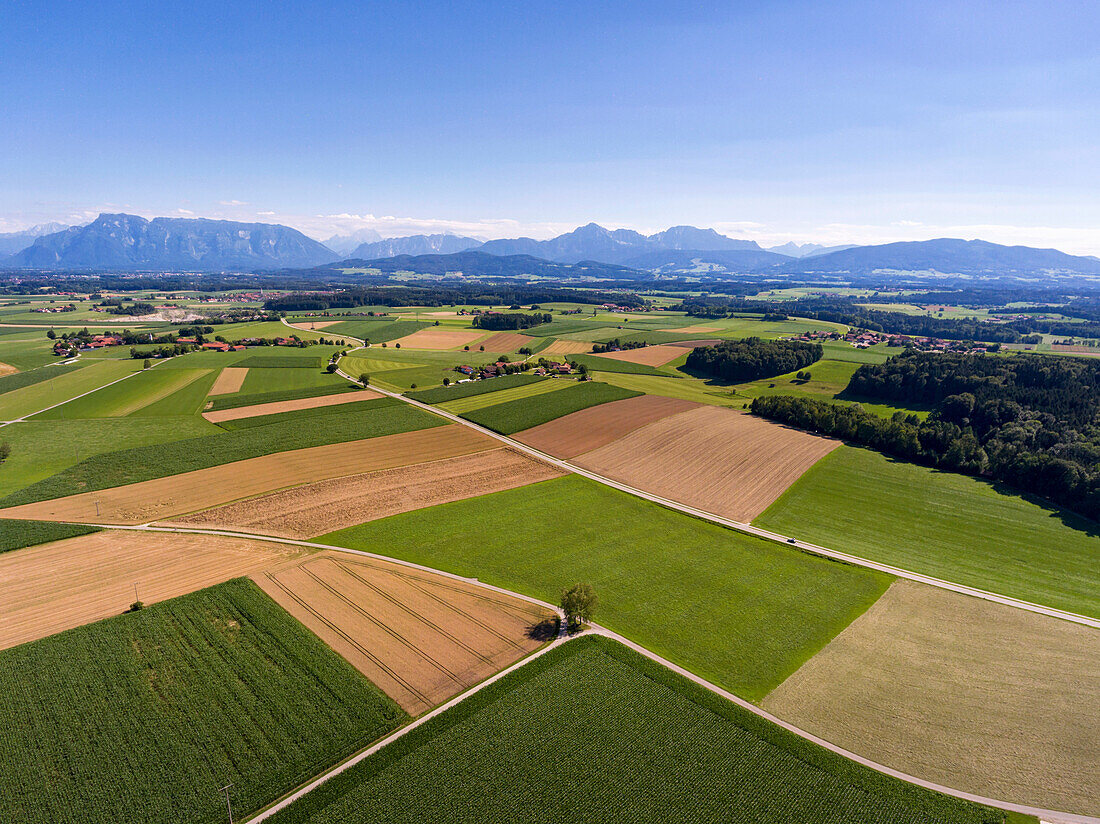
<point>319,332</point>
<point>749,529</point>
<point>1047,815</point>
<point>82,394</point>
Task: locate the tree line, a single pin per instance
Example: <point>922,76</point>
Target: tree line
<point>476,294</point>
<point>1029,421</point>
<point>752,358</point>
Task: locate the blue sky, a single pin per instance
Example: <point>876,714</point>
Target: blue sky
<point>837,122</point>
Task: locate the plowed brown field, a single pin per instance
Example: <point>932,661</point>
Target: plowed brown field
<point>323,507</point>
<point>289,406</point>
<point>567,347</point>
<point>975,695</point>
<point>646,356</point>
<point>420,637</point>
<point>725,462</point>
<point>7,369</point>
<point>229,380</point>
<point>53,587</point>
<point>597,426</point>
<point>505,342</point>
<point>177,494</point>
<point>315,324</point>
<point>439,337</point>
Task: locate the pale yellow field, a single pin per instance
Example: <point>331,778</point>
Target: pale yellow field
<point>967,693</point>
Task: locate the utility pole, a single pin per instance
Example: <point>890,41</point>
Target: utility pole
<point>97,507</point>
<point>136,599</point>
<point>229,806</point>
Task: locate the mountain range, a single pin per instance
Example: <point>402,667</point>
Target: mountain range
<point>128,243</point>
<point>12,242</point>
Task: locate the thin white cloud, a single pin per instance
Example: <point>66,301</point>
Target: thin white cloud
<point>233,202</point>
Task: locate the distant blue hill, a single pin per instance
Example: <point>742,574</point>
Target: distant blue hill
<point>945,255</point>
<point>129,242</point>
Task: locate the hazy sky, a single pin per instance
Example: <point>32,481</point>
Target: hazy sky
<point>813,121</point>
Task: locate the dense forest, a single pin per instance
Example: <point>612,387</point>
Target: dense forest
<point>843,310</point>
<point>471,295</point>
<point>752,358</point>
<point>1030,421</point>
<point>500,321</point>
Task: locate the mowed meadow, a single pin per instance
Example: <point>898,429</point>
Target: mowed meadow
<point>740,611</point>
<point>942,524</point>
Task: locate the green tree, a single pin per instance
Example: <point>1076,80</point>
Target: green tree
<point>51,334</point>
<point>364,379</point>
<point>579,604</point>
<point>146,364</point>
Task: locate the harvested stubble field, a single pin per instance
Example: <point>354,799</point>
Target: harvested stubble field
<point>567,347</point>
<point>506,342</point>
<point>655,748</point>
<point>598,426</point>
<point>190,491</point>
<point>721,461</point>
<point>276,407</point>
<point>970,694</point>
<point>8,369</point>
<point>142,717</point>
<point>229,381</point>
<point>306,511</point>
<point>440,337</point>
<point>56,586</point>
<point>421,638</point>
<point>646,355</point>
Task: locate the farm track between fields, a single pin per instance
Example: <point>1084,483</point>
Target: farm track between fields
<point>749,529</point>
<point>1053,816</point>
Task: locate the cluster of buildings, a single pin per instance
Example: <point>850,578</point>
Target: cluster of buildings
<point>864,339</point>
<point>53,310</point>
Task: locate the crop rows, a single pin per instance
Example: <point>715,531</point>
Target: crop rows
<point>594,732</point>
<point>19,534</point>
<point>238,400</point>
<point>143,717</point>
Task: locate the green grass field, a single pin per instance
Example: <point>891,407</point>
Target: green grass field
<point>250,399</point>
<point>131,396</point>
<point>950,526</point>
<point>384,416</point>
<point>690,389</point>
<point>262,381</point>
<point>19,534</point>
<point>27,351</point>
<point>514,394</point>
<point>594,363</point>
<point>143,717</point>
<point>30,399</point>
<point>381,330</point>
<point>9,383</point>
<point>43,448</point>
<point>318,416</point>
<point>524,413</point>
<point>456,391</point>
<point>594,732</point>
<point>740,611</point>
